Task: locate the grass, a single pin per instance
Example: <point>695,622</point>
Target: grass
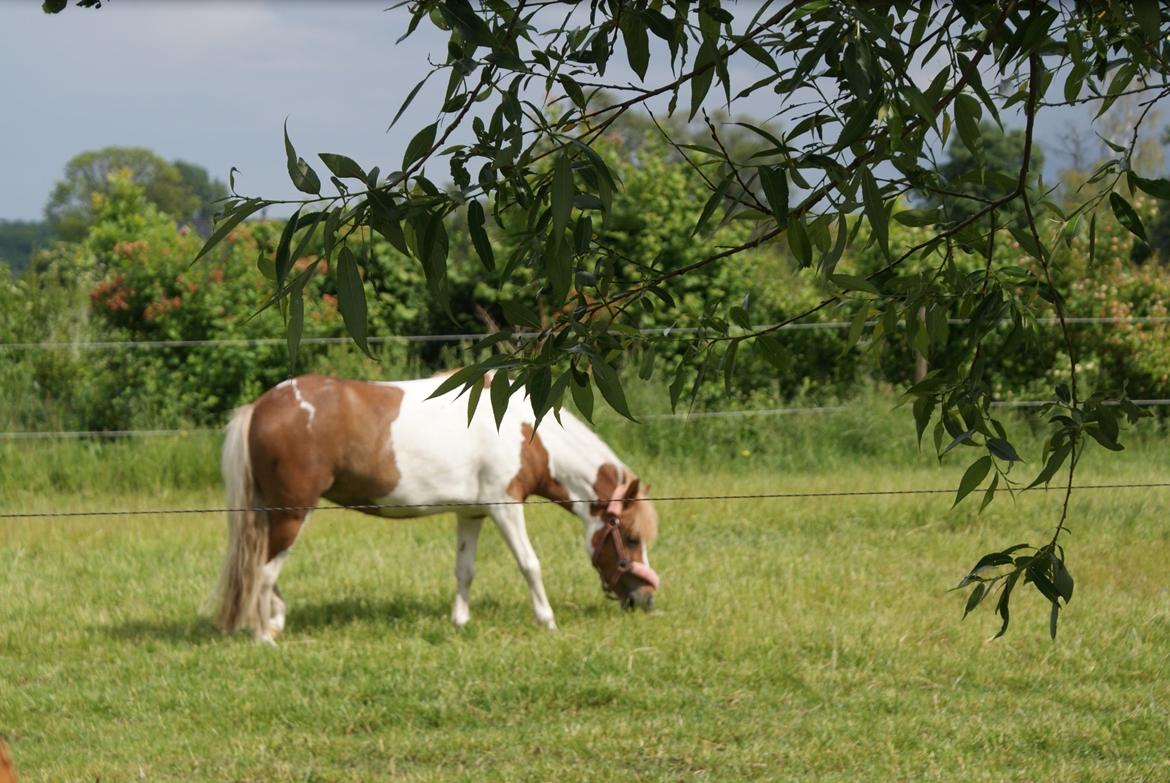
<point>793,640</point>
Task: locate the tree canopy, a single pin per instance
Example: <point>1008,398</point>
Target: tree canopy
<point>183,190</point>
<point>863,97</point>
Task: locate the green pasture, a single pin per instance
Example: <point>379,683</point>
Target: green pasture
<point>792,640</point>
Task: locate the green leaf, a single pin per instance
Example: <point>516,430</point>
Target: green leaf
<point>461,377</point>
<point>562,195</point>
<point>479,237</point>
<point>420,145</point>
<point>1055,460</point>
<point>433,250</point>
<point>972,478</point>
<point>989,494</point>
<point>573,90</point>
<point>342,166</point>
<point>611,387</point>
<point>968,112</point>
<point>1002,449</point>
<point>637,43</point>
<point>582,234</point>
<point>854,283</point>
<point>230,221</point>
<point>473,396</point>
<point>409,98</point>
<point>1061,578</point>
<point>1127,216</point>
<point>829,262</point>
<point>499,392</point>
<point>54,6</point>
<point>799,243</point>
<point>704,71</point>
<point>713,202</point>
<point>302,175</point>
<point>775,185</point>
<point>519,313</point>
<point>973,600</point>
<point>875,210</point>
<point>1092,239</point>
<point>284,258</point>
<point>351,298</point>
<point>916,218</point>
<point>1158,188</point>
<point>296,323</point>
<point>1149,18</point>
<point>729,365</point>
<point>1001,608</point>
<point>582,396</point>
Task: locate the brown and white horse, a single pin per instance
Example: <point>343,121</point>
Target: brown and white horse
<point>389,444</point>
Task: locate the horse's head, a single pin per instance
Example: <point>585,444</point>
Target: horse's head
<point>620,547</point>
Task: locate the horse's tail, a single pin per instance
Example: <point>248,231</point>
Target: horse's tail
<point>237,598</point>
<point>7,773</point>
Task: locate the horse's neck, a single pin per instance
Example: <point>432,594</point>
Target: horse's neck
<point>577,458</point>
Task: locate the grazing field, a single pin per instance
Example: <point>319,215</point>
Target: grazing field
<point>792,640</point>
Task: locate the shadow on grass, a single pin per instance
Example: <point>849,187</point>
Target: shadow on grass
<point>395,610</point>
<point>194,630</point>
<point>307,616</point>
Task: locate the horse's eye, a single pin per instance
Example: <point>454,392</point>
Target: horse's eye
<point>633,541</point>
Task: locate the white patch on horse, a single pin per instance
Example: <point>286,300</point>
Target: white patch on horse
<point>306,406</point>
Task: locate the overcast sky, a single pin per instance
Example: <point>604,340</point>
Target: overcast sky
<point>212,82</point>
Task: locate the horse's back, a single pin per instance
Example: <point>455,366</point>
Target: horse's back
<point>361,442</point>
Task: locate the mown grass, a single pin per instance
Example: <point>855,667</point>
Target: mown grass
<point>793,640</point>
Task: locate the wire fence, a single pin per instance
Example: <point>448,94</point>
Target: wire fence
<point>694,415</point>
<point>681,332</point>
<point>441,507</point>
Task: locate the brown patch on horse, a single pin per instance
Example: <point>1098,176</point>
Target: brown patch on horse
<point>604,486</point>
<point>534,476</point>
<point>346,456</point>
<point>7,773</point>
<point>639,520</point>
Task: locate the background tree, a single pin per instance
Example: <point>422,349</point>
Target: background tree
<point>182,190</point>
<point>971,177</point>
<point>18,240</point>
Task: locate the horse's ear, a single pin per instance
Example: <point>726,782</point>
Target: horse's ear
<point>631,493</point>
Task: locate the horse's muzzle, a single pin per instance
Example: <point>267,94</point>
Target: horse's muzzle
<point>641,597</point>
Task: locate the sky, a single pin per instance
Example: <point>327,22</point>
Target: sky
<point>212,82</point>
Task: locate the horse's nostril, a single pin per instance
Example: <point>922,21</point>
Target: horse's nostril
<point>624,564</point>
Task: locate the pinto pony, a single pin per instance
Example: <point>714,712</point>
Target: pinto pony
<point>392,448</point>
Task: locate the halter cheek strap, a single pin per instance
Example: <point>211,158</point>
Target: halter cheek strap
<point>612,532</point>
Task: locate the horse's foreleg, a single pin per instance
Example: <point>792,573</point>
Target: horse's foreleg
<point>466,539</point>
<point>510,520</point>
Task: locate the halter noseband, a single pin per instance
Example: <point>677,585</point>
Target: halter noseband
<point>611,517</point>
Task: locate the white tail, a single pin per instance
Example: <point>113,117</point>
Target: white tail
<point>237,598</point>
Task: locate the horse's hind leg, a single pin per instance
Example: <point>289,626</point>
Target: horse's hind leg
<point>510,520</point>
<point>283,528</point>
<point>466,539</point>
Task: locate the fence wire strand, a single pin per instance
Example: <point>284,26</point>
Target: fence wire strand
<point>729,414</point>
<point>440,507</point>
<point>88,345</point>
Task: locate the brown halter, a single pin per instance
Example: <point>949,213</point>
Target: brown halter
<point>612,533</point>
